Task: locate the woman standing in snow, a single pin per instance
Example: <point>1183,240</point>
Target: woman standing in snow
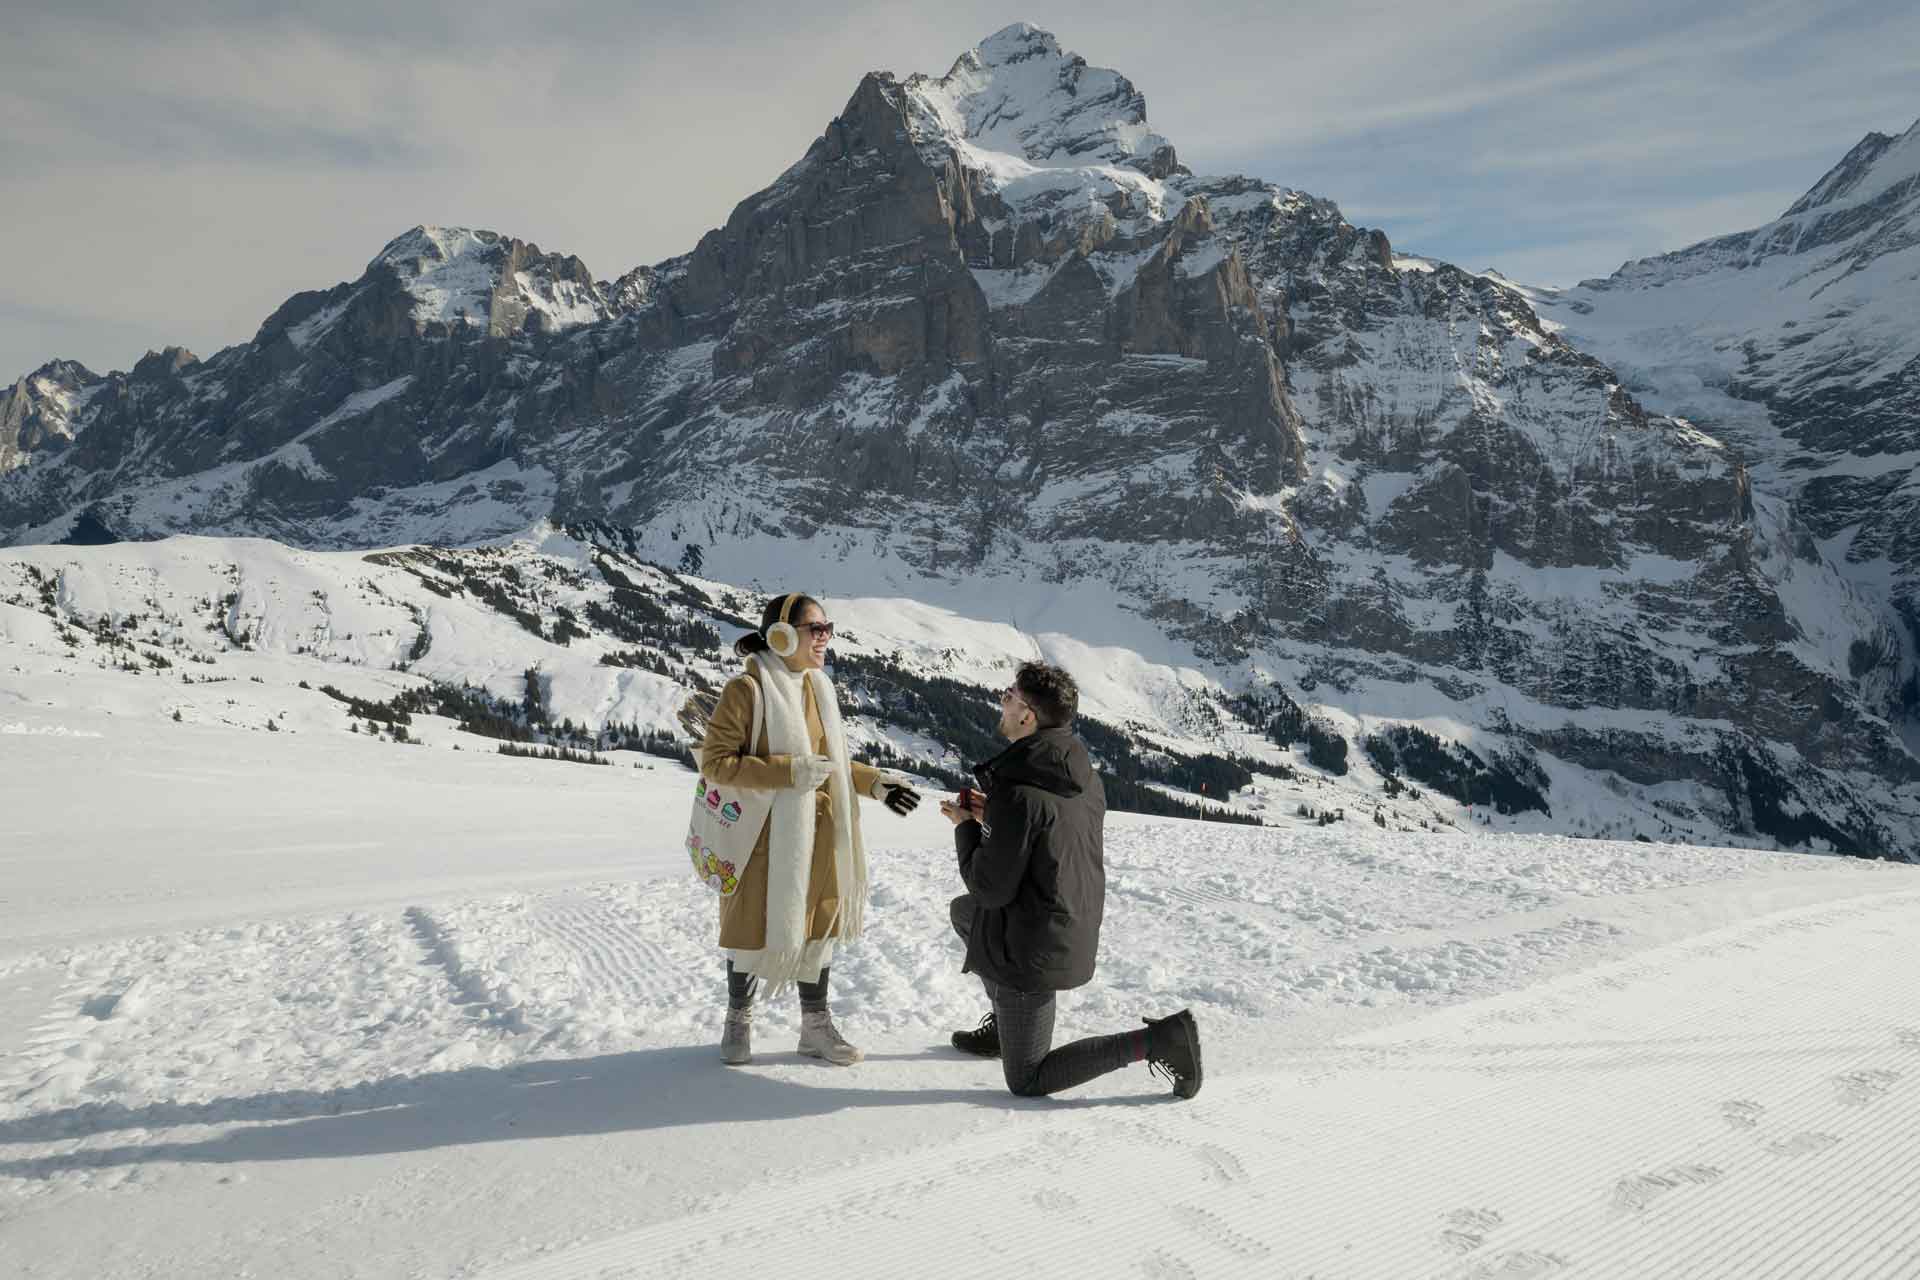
<point>805,884</point>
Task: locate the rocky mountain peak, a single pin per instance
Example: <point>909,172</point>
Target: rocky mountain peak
<point>60,375</point>
<point>1015,42</point>
<point>38,412</point>
<point>631,291</point>
<point>164,363</point>
<point>1018,94</point>
<point>1875,164</point>
<point>1863,209</point>
<point>460,277</point>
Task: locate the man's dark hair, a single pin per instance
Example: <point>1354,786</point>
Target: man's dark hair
<point>1050,691</point>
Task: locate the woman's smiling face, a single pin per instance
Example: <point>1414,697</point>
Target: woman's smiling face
<point>815,634</point>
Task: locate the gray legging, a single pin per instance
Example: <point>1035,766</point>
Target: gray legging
<point>1024,1020</point>
<point>742,987</point>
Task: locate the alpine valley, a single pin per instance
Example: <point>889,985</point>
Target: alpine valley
<point>1320,525</point>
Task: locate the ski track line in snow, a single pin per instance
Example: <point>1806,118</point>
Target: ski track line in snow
<point>1701,1233</point>
<point>153,1035</point>
<point>1515,1147</point>
<point>40,1041</point>
<point>617,961</point>
<point>1870,1187</point>
<point>1812,1120</point>
<point>1624,1164</point>
<point>482,1000</point>
<point>579,969</point>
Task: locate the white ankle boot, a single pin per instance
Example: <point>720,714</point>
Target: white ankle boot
<point>819,1038</point>
<point>736,1040</point>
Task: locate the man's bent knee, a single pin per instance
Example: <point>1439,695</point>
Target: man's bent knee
<point>1025,1085</point>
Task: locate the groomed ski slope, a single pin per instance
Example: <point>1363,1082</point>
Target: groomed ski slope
<point>312,1005</point>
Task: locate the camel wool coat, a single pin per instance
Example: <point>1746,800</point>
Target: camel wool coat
<point>728,758</point>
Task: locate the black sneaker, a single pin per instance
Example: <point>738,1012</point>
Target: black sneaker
<point>1173,1050</point>
<point>983,1040</point>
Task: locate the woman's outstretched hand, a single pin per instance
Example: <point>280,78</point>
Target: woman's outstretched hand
<point>899,797</point>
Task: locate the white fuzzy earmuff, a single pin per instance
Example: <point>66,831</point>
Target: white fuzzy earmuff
<point>782,637</point>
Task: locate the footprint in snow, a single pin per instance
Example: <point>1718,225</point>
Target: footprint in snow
<point>1210,1226</point>
<point>1159,1265</point>
<point>1802,1144</point>
<point>1467,1229</point>
<point>1052,1200</point>
<point>1520,1264</point>
<point>1222,1165</point>
<point>1741,1114</point>
<point>1857,1088</point>
<point>1636,1193</point>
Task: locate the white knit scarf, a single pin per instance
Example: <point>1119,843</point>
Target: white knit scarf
<point>788,955</point>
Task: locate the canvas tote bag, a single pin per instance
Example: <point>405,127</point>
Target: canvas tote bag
<point>726,821</point>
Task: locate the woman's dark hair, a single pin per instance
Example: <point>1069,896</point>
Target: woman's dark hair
<point>1050,691</point>
<point>756,641</point>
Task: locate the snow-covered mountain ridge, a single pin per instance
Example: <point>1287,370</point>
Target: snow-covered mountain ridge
<point>988,339</point>
<point>1795,344</point>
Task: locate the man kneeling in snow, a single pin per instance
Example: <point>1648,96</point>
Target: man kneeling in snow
<point>1030,854</point>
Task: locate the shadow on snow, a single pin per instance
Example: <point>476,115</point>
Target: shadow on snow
<point>615,1093</point>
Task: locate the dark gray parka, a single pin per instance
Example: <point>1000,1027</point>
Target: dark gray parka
<point>1034,867</point>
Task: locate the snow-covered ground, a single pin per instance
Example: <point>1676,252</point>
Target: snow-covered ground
<point>311,1004</point>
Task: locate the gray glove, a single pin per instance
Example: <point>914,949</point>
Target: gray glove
<point>810,771</point>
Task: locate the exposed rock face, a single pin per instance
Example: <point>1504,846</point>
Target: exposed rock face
<point>1507,511</point>
<point>853,246</point>
<point>477,278</point>
<point>37,417</point>
<point>1796,345</point>
<point>990,325</point>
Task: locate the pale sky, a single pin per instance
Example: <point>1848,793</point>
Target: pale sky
<point>174,172</point>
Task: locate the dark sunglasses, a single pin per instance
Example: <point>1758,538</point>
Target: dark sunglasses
<point>817,629</point>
